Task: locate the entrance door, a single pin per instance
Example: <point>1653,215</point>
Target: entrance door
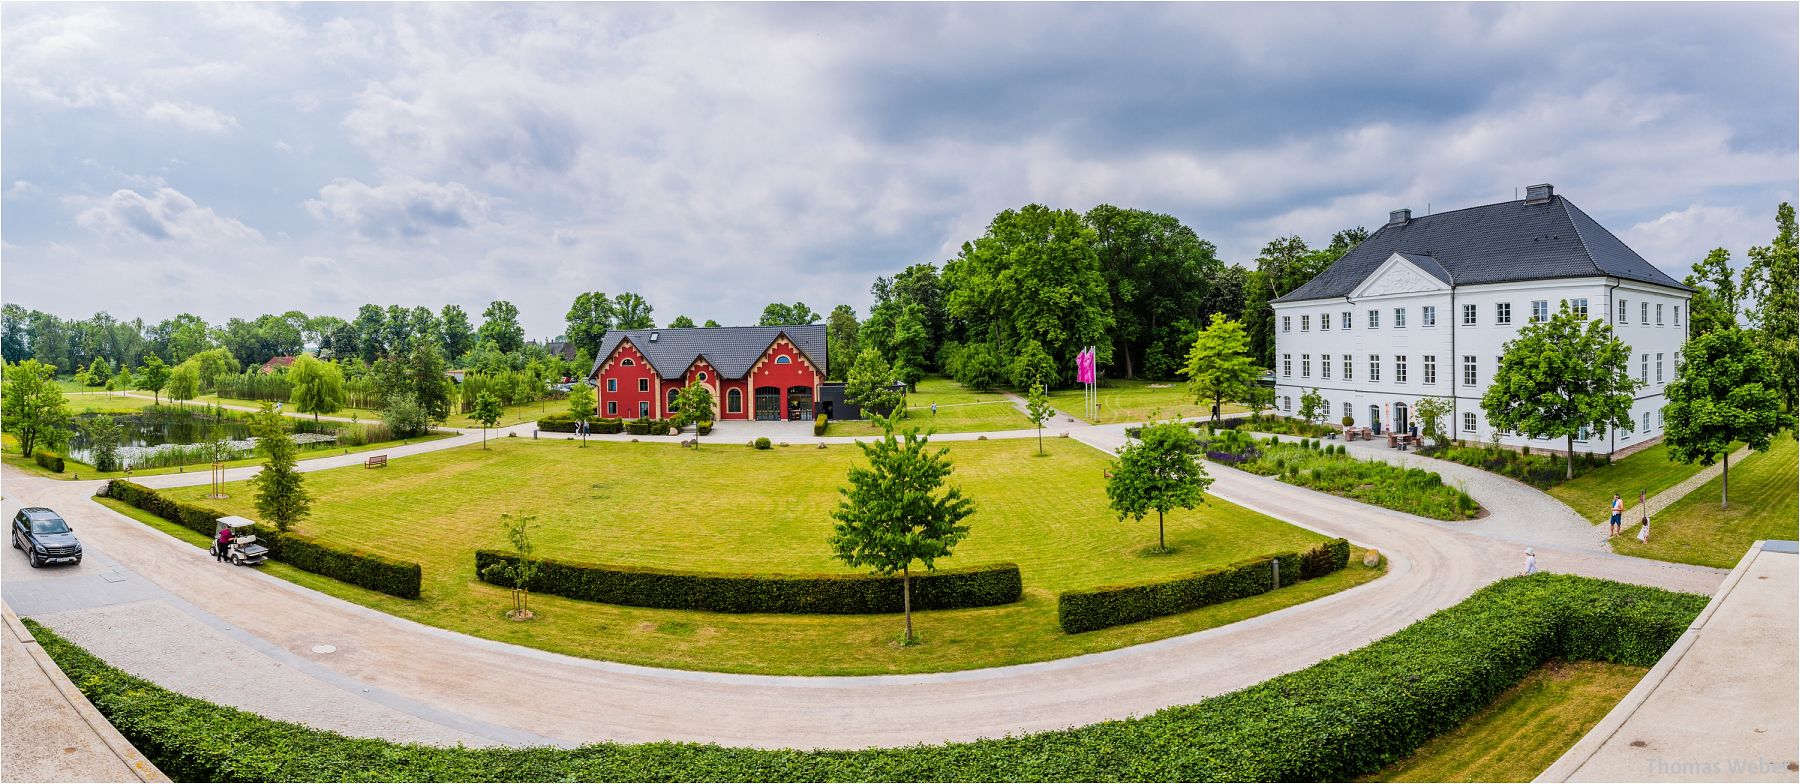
<point>1375,418</point>
<point>768,404</point>
<point>800,407</point>
<point>1402,423</point>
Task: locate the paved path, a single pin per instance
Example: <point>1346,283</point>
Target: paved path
<point>52,732</point>
<point>506,693</point>
<point>1663,500</point>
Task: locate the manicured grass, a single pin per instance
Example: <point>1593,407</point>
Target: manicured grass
<point>1136,400</point>
<point>733,508</point>
<point>960,410</point>
<point>1526,729</point>
<point>362,414</point>
<point>73,468</point>
<point>107,402</point>
<point>1695,530</point>
<point>1650,471</point>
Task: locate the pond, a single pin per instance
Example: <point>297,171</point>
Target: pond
<point>155,438</point>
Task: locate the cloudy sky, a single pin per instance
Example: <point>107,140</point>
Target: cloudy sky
<point>238,159</point>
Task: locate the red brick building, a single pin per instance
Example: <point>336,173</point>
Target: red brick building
<point>767,373</point>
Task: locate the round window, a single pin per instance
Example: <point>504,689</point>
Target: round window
<point>702,375</point>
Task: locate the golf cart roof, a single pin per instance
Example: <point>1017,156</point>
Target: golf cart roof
<point>236,522</point>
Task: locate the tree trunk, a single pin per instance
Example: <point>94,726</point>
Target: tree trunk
<point>1725,481</point>
<point>1569,459</point>
<point>906,600</point>
<point>1159,531</point>
<point>1040,439</point>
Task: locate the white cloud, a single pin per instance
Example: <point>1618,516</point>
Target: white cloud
<point>403,207</point>
<point>1677,239</point>
<point>201,119</point>
<point>165,216</point>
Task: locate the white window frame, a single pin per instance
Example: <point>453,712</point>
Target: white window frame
<point>1399,318</point>
<point>1287,323</point>
<point>1580,306</point>
<point>1644,313</point>
<point>1428,315</point>
<point>1325,366</point>
<point>1349,367</point>
<point>1306,366</point>
<point>1305,323</point>
<point>1287,365</point>
<point>1399,368</point>
<point>1375,318</point>
<point>1430,369</point>
<point>1624,312</point>
<point>1659,367</point>
<point>1503,313</point>
<point>1659,311</point>
<point>1540,311</point>
<point>1471,373</point>
<point>1374,368</point>
<point>1471,313</point>
<point>1468,422</point>
<point>1348,321</point>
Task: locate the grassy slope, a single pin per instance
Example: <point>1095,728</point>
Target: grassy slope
<point>1524,730</point>
<point>1649,471</point>
<point>728,507</point>
<point>1131,400</point>
<point>1695,530</point>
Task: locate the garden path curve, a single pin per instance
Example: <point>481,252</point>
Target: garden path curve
<point>450,683</point>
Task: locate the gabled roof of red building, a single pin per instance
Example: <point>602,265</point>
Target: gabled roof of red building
<point>730,350</point>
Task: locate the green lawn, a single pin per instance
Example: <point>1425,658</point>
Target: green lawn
<point>1695,530</point>
<point>1650,471</point>
<point>106,402</point>
<point>960,410</point>
<point>75,469</point>
<point>1133,400</point>
<point>733,508</point>
<point>1525,730</point>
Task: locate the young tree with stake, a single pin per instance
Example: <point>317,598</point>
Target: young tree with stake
<point>1160,471</point>
<point>522,570</point>
<point>1561,376</point>
<point>1038,410</point>
<point>892,513</point>
<point>488,412</point>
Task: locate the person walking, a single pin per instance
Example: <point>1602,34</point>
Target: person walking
<point>222,547</point>
<point>1530,562</point>
<point>1618,515</point>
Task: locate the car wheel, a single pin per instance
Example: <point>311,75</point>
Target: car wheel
<point>15,541</point>
<point>35,561</point>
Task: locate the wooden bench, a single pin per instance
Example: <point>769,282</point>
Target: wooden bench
<point>375,461</point>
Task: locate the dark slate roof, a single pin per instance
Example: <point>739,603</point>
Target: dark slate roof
<point>731,350</point>
<point>1429,264</point>
<point>1496,243</point>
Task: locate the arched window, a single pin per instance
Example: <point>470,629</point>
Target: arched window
<point>783,360</point>
<point>627,362</point>
<point>671,396</point>
<point>734,401</point>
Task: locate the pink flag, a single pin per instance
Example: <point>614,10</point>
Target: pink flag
<point>1084,367</point>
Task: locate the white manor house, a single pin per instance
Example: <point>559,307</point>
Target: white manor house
<point>1423,307</point>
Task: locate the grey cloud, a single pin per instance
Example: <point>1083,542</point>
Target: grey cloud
<point>403,207</point>
<point>166,215</point>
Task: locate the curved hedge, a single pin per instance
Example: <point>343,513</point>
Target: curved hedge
<point>1337,720</point>
<point>1115,605</point>
<point>822,594</point>
<point>51,461</point>
<point>356,567</point>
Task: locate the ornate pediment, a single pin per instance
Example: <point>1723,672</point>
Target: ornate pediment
<point>1398,275</point>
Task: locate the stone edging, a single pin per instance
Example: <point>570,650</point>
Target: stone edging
<point>127,754</point>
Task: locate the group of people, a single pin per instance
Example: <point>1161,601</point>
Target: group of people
<point>1614,529</point>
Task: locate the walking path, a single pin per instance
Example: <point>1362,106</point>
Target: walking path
<point>52,732</point>
<point>449,683</point>
<point>1663,500</point>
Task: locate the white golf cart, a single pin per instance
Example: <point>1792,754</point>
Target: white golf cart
<point>244,549</point>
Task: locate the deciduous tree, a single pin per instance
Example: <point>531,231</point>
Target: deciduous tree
<point>1560,377</point>
<point>1722,394</point>
<point>318,386</point>
<point>1038,410</point>
<point>36,414</point>
<point>1716,294</point>
<point>1219,369</point>
<point>184,381</point>
<point>693,405</point>
<point>1159,471</point>
<point>455,335</point>
<point>103,442</point>
<point>153,377</point>
<point>871,385</point>
<point>488,412</point>
<point>588,319</point>
<point>1770,280</point>
<point>1432,413</point>
<point>682,322</point>
<point>581,401</point>
<point>897,511</point>
<point>631,311</point>
<point>281,496</point>
<point>1312,405</point>
<point>499,323</point>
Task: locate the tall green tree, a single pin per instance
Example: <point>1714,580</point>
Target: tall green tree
<point>1722,393</point>
<point>1770,281</point>
<point>581,401</point>
<point>35,410</point>
<point>1219,369</point>
<point>682,322</point>
<point>631,311</point>
<point>871,385</point>
<point>499,323</point>
<point>776,314</point>
<point>103,442</point>
<point>1715,302</point>
<point>455,334</point>
<point>588,319</point>
<point>1560,377</point>
<point>184,381</point>
<point>1038,410</point>
<point>841,335</point>
<point>897,511</point>
<point>427,377</point>
<point>1158,274</point>
<point>488,412</point>
<point>693,405</point>
<point>1160,471</point>
<point>281,496</point>
<point>1283,265</point>
<point>15,333</point>
<point>212,364</point>
<point>710,324</point>
<point>318,386</point>
<point>371,337</point>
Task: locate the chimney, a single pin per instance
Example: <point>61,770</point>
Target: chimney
<point>1399,217</point>
<point>1538,194</point>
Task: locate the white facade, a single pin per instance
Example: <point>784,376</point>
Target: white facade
<point>1409,335</point>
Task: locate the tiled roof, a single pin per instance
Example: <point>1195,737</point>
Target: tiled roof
<point>1496,243</point>
<point>730,350</point>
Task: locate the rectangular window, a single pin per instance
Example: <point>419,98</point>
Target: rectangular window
<point>1305,323</point>
<point>1644,312</point>
<point>1659,368</point>
<point>1374,319</point>
<point>1643,369</point>
<point>1498,361</point>
<point>1348,362</point>
<point>1346,322</point>
<point>1580,307</point>
<point>1646,421</point>
<point>1374,367</point>
<point>643,385</point>
<point>1428,315</point>
<point>1306,366</point>
<point>612,408</point>
<point>1348,414</point>
<point>1678,362</point>
<point>1468,371</point>
<point>1540,310</point>
<point>1659,417</point>
<point>1324,322</point>
<point>1431,368</point>
<point>1324,366</point>
<point>1287,403</point>
<point>1659,314</point>
<point>1503,313</point>
<point>1468,421</point>
<point>1287,365</point>
<point>1399,318</point>
<point>1469,315</point>
<point>1677,315</point>
<point>612,385</point>
<point>1287,323</point>
<point>1400,369</point>
<point>1623,310</point>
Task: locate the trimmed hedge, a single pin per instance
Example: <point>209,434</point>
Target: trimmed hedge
<point>356,567</point>
<point>819,594</point>
<point>48,459</point>
<point>563,423</point>
<point>1338,720</point>
<point>819,425</point>
<point>1116,605</point>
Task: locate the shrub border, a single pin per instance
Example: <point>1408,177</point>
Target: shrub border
<point>1114,605</point>
<point>808,594</point>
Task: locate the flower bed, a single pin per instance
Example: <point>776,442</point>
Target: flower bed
<point>1331,470</point>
